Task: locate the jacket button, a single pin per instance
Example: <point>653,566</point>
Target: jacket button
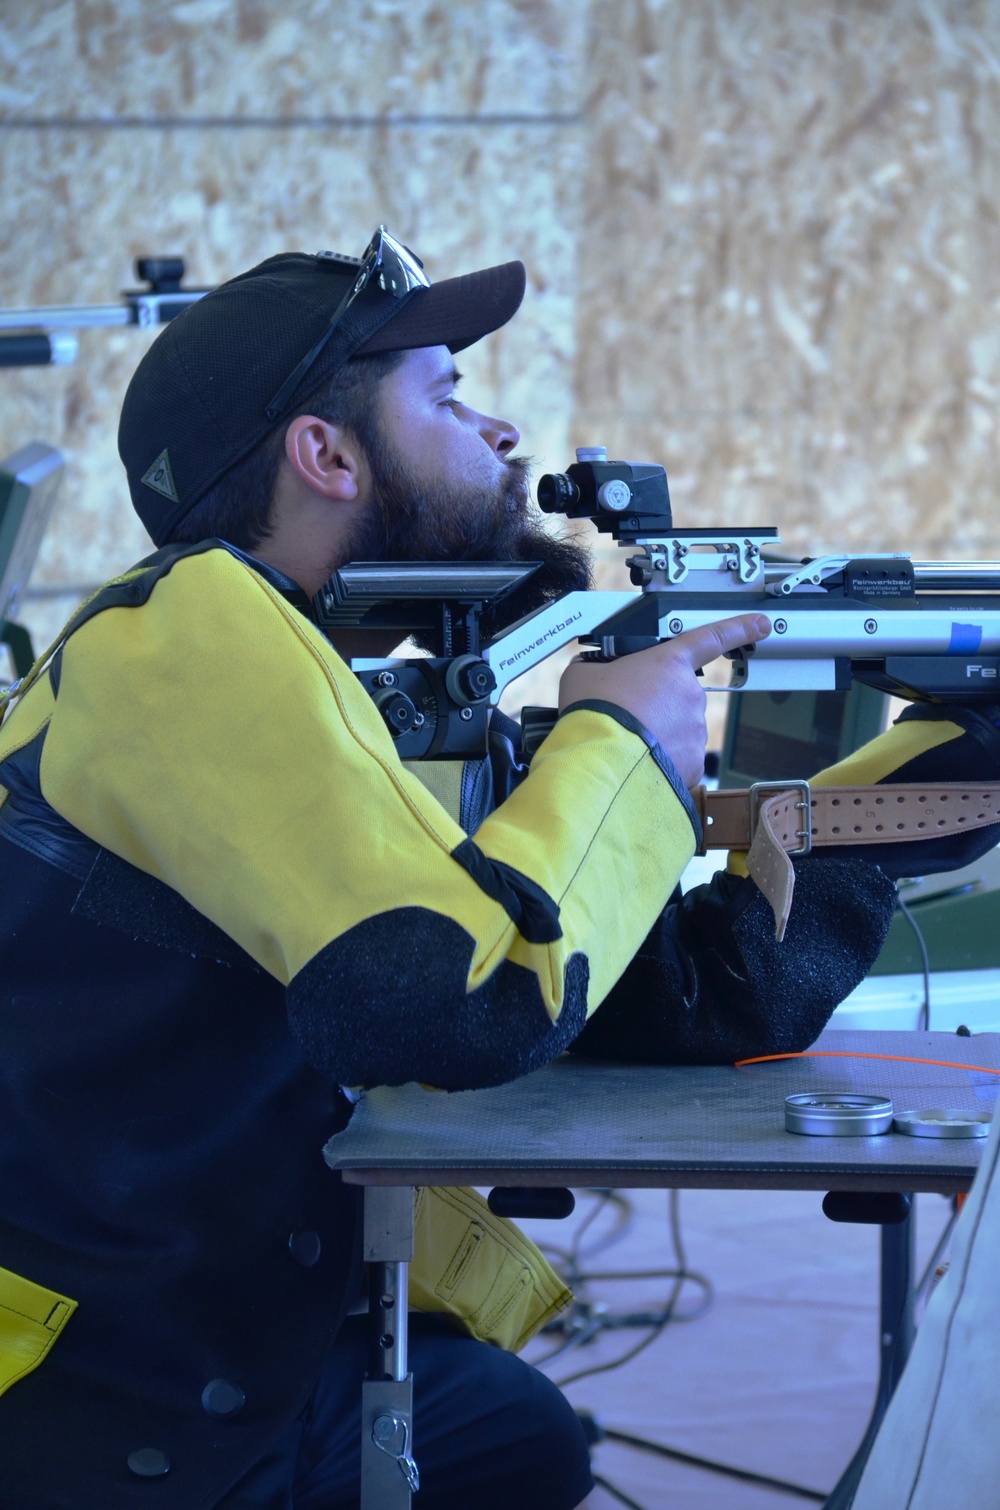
<point>222,1398</point>
<point>148,1463</point>
<point>305,1247</point>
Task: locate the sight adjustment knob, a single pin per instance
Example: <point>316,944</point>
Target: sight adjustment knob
<point>398,711</point>
<point>469,680</point>
<point>614,495</point>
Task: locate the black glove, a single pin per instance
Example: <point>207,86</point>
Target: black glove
<point>710,984</point>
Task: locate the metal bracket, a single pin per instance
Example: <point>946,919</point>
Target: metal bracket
<point>761,790</point>
<point>388,1473</point>
<point>814,573</point>
<point>388,1224</point>
<point>734,555</point>
<point>391,1435</point>
<point>387,1393</point>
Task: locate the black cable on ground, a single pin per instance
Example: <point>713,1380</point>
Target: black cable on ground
<point>692,1460</point>
<point>567,1260</point>
<point>586,1319</point>
<point>657,1322</point>
<point>650,1318</point>
<point>619,1494</point>
<point>666,1316</point>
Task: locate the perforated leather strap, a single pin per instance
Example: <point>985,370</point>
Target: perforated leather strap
<point>886,814</point>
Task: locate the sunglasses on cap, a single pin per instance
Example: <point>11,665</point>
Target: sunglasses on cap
<point>396,271</point>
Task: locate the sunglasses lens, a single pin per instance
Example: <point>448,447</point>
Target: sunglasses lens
<point>399,270</point>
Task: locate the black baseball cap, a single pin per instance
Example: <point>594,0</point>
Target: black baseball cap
<point>196,403</point>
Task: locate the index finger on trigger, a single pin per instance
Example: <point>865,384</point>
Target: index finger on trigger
<point>699,646</point>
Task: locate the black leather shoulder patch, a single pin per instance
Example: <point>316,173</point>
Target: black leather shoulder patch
<point>387,1003</point>
<point>533,912</point>
<point>119,895</point>
<point>27,820</point>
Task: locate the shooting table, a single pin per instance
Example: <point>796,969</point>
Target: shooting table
<point>577,1123</point>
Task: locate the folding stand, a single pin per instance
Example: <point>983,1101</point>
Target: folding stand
<point>896,1330</point>
<point>388,1470</point>
<point>633,1126</point>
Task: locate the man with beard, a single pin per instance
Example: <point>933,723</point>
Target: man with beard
<point>224,897</point>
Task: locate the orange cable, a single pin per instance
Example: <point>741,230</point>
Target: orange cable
<point>949,1064</point>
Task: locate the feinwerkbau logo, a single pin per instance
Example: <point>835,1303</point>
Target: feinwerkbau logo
<point>511,660</point>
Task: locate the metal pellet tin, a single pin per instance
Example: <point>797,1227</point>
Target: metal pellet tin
<point>939,1122</point>
<point>837,1114</point>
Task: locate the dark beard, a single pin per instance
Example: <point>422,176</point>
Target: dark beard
<point>468,523</point>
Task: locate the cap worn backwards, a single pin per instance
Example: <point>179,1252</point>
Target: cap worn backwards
<point>195,406</point>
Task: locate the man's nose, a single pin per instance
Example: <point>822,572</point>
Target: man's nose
<point>499,434</point>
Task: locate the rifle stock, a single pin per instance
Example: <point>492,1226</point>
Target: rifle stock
<point>942,644</point>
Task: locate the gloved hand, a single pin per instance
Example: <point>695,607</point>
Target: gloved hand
<point>711,984</point>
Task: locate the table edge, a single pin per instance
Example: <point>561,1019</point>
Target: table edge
<point>928,1181</point>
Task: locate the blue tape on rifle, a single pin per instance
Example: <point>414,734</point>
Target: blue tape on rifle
<point>965,639</point>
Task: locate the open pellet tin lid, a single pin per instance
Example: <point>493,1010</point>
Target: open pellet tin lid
<point>940,1122</point>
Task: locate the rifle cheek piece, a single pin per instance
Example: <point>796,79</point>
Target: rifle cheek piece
<point>435,708</point>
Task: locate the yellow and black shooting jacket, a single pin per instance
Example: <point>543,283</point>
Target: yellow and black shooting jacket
<point>222,896</point>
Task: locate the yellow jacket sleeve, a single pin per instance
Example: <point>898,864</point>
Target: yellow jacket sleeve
<point>207,733</point>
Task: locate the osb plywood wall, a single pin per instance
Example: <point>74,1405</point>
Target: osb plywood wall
<point>791,290</point>
<point>762,237</point>
<point>231,131</point>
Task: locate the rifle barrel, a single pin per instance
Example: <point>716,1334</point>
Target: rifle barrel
<point>65,317</point>
<point>957,576</point>
<point>144,307</point>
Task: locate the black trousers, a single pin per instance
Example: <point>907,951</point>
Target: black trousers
<point>489,1431</point>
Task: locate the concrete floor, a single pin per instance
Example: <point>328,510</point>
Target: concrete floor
<point>778,1376</point>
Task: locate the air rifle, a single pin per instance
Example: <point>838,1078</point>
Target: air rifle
<point>922,630</point>
<point>44,337</point>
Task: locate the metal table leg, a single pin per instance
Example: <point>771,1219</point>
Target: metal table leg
<point>388,1470</point>
<point>895,1341</point>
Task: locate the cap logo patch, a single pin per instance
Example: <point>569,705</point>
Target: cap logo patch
<point>160,478</point>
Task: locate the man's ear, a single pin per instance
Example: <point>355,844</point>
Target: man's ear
<point>325,456</point>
